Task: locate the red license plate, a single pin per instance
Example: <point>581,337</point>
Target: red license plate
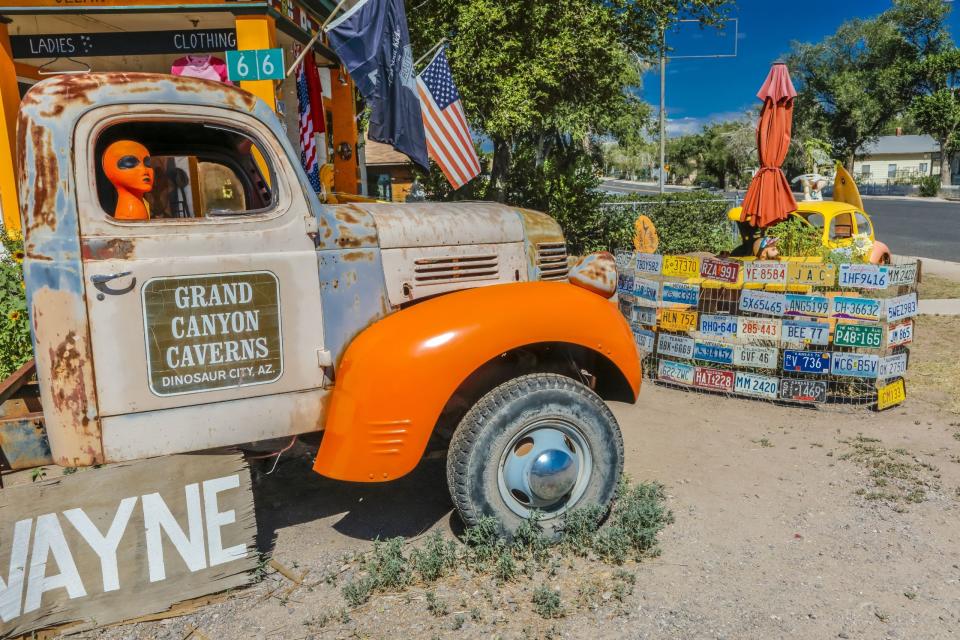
<point>722,270</point>
<point>713,379</point>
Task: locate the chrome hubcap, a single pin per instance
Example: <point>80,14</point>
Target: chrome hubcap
<point>546,468</point>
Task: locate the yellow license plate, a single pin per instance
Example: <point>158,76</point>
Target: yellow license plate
<point>677,320</point>
<point>891,395</point>
<point>681,266</point>
<point>810,273</point>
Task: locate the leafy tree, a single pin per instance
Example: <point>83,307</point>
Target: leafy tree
<point>535,74</point>
<point>720,155</point>
<point>937,112</point>
<point>857,80</point>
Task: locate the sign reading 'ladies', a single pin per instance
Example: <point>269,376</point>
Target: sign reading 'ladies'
<point>122,43</point>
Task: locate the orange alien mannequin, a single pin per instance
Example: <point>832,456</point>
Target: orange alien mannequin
<point>126,164</point>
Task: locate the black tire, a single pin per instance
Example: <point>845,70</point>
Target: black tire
<point>480,443</point>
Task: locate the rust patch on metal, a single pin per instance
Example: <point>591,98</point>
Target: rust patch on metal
<point>344,214</point>
<point>69,391</point>
<point>44,212</point>
<point>597,273</point>
<point>358,256</point>
<point>103,249</point>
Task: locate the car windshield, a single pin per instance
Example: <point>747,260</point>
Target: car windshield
<point>811,217</point>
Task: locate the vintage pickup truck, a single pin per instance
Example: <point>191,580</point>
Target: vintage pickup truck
<point>259,313</point>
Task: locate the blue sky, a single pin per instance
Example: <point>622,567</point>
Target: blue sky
<point>705,90</point>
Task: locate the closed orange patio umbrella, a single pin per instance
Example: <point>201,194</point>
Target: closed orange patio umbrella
<point>769,199</point>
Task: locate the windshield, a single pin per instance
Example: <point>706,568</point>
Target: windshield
<point>812,218</point>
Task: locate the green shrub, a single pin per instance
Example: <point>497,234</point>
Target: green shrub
<point>15,346</point>
<point>797,238</point>
<point>929,186</point>
<point>685,222</point>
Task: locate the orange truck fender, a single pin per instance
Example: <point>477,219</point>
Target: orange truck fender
<point>397,375</point>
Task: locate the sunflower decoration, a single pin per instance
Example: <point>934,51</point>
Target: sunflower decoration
<point>14,315</point>
<point>18,256</point>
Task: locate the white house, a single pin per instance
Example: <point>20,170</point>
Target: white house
<point>897,158</point>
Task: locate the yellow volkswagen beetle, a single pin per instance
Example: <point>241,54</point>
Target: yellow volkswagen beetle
<point>843,227</point>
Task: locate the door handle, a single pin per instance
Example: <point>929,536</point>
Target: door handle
<point>100,283</point>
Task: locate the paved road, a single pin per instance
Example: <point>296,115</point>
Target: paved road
<point>910,227</point>
<point>917,227</point>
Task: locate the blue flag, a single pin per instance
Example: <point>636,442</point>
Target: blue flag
<point>372,41</point>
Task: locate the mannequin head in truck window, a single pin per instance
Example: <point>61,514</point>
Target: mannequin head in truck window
<point>126,164</point>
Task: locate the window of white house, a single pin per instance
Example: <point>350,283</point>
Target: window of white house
<point>891,171</point>
<point>865,170</point>
<point>923,168</point>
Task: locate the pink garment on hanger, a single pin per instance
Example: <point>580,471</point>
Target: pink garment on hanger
<point>206,66</point>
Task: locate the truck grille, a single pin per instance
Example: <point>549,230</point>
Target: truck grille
<point>552,260</point>
<point>455,269</point>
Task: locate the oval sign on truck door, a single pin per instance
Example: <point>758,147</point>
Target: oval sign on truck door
<point>209,332</point>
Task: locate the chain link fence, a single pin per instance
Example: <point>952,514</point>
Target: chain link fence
<point>796,331</point>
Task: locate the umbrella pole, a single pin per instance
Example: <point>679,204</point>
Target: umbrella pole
<point>663,107</point>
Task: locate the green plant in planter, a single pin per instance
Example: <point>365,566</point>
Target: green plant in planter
<point>15,346</point>
<point>797,238</point>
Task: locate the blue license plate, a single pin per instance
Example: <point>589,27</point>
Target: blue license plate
<point>806,361</point>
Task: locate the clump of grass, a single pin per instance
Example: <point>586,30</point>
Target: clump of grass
<point>897,476</point>
<point>546,602</point>
<point>386,569</point>
<point>763,442</point>
<point>436,606</point>
<point>435,559</point>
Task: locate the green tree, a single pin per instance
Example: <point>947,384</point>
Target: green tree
<point>857,80</point>
<point>937,112</point>
<point>533,75</point>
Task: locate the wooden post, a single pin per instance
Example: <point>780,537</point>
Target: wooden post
<point>345,171</point>
<point>258,32</point>
<point>9,104</point>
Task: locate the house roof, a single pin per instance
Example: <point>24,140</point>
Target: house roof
<point>901,144</point>
<point>377,153</point>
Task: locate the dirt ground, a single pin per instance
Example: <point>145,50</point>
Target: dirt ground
<point>789,523</point>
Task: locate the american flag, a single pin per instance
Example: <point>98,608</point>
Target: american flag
<point>448,137</point>
<point>310,108</point>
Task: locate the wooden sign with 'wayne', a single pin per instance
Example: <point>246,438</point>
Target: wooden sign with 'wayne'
<point>105,545</point>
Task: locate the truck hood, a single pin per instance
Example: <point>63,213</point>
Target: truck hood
<point>434,224</point>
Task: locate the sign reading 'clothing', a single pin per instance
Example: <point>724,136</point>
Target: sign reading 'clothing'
<point>121,43</point>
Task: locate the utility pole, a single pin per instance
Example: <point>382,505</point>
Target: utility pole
<point>663,107</point>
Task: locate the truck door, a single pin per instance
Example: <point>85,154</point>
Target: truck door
<point>205,319</point>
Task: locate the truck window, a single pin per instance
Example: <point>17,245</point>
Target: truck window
<point>180,170</point>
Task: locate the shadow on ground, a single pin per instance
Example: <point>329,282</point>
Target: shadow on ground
<point>294,493</point>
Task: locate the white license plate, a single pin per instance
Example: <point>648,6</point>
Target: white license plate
<point>643,338</point>
<point>900,333</point>
<point>856,308</point>
<point>901,307</point>
<point>679,372</point>
<point>755,357</point>
<point>806,332</point>
<point>759,328</point>
<point>854,365</point>
<point>645,289</point>
<point>892,366</point>
<point>864,276</point>
<point>718,325</point>
<point>648,262</point>
<point>752,384</point>
<point>903,274</point>
<point>813,306</point>
<point>762,302</point>
<point>765,271</point>
<point>672,345</point>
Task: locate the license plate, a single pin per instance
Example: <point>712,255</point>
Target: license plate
<point>762,302</point>
<point>854,365</point>
<point>759,328</point>
<point>806,332</point>
<point>723,270</point>
<point>902,274</point>
<point>813,306</point>
<point>625,283</point>
<point>678,320</point>
<point>718,325</point>
<point>624,260</point>
<point>806,361</point>
<point>901,307</point>
<point>679,372</point>
<point>892,366</point>
<point>648,262</point>
<point>900,333</point>
<point>810,273</point>
<point>856,308</point>
<point>681,266</point>
<point>715,379</point>
<point>765,271</point>
<point>625,304</point>
<point>857,335</point>
<point>755,357</point>
<point>711,352</point>
<point>672,345</point>
<point>680,293</point>
<point>643,338</point>
<point>645,289</point>
<point>803,390</point>
<point>891,394</point>
<point>644,315</point>
<point>864,276</point>
<point>752,384</point>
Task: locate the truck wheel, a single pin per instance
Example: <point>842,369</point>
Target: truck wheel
<point>540,442</point>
